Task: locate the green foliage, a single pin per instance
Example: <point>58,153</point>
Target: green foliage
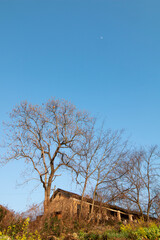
<point>16,228</point>
<point>81,234</point>
<point>112,234</point>
<point>91,236</point>
<point>19,231</point>
<point>135,231</point>
<point>152,233</point>
<point>2,237</point>
<point>140,231</point>
<point>53,226</point>
<point>76,225</point>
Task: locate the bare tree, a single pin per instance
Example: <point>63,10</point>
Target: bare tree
<point>156,206</point>
<point>133,185</point>
<point>150,178</point>
<point>100,155</point>
<point>47,137</point>
<point>106,172</point>
<point>140,185</point>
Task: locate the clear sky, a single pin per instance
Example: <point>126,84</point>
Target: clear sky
<point>102,55</point>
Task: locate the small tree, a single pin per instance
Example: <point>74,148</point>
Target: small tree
<point>47,137</point>
<point>101,152</point>
<point>132,186</point>
<point>140,187</point>
<point>156,206</point>
<point>151,179</point>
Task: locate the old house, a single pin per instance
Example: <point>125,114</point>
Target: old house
<point>66,204</point>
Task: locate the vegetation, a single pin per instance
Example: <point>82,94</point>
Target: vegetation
<point>138,232</point>
<point>53,228</point>
<point>19,231</point>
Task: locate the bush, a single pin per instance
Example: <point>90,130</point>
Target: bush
<point>7,218</point>
<point>52,226</point>
<point>19,231</point>
<point>91,236</point>
<point>139,231</point>
<point>2,213</point>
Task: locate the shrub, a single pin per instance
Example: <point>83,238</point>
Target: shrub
<point>52,226</point>
<point>7,218</point>
<point>19,231</point>
<point>139,231</point>
<point>91,236</point>
<point>2,213</point>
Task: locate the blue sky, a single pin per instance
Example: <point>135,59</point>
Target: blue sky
<point>102,55</point>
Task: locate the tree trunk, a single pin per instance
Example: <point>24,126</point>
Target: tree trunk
<point>92,209</point>
<point>148,211</point>
<point>82,197</point>
<point>46,200</point>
